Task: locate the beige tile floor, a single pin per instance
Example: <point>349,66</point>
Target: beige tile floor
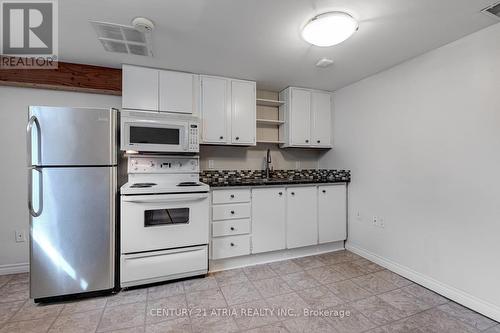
<point>358,296</point>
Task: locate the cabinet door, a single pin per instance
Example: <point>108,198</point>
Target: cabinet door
<point>300,117</point>
<point>332,221</point>
<point>243,108</point>
<point>268,219</point>
<point>176,92</point>
<point>214,109</point>
<point>302,217</point>
<point>139,88</point>
<point>321,108</point>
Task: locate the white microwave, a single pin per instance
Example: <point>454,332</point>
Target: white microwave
<point>144,131</point>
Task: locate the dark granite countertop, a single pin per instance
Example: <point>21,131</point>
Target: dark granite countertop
<point>226,178</point>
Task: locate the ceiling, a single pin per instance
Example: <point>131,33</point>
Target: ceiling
<point>260,39</point>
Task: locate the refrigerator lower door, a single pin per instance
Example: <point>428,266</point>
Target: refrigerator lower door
<point>60,136</point>
<point>72,239</point>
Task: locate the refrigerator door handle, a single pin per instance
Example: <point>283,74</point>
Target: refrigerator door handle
<point>30,192</point>
<point>29,129</point>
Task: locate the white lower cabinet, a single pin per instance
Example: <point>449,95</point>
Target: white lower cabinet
<point>332,213</point>
<point>268,219</point>
<point>232,246</point>
<point>302,217</point>
<point>264,219</point>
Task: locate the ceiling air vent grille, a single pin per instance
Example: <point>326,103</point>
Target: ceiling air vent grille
<point>123,39</point>
<point>493,10</point>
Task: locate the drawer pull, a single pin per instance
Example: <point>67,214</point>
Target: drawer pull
<point>324,191</point>
<point>232,212</point>
<point>280,193</point>
<point>319,141</point>
<point>221,137</point>
<point>232,196</point>
<point>293,193</point>
<point>232,244</point>
<point>237,138</point>
<point>307,141</point>
<point>232,228</point>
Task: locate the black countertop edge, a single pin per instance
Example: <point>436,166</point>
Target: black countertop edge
<point>256,182</point>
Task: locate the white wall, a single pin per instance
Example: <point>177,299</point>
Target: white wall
<point>423,143</point>
<point>14,104</point>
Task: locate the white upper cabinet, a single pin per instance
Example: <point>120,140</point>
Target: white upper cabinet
<point>214,109</point>
<point>300,117</point>
<point>302,217</point>
<point>332,213</point>
<point>321,107</point>
<point>139,88</point>
<point>177,92</point>
<point>268,219</point>
<point>307,115</point>
<point>228,111</point>
<point>243,109</point>
<point>158,90</point>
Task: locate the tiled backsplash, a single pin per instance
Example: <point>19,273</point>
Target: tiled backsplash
<point>211,176</point>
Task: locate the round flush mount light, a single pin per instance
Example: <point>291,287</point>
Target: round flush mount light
<point>329,29</point>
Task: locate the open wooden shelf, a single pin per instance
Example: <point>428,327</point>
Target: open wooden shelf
<point>269,102</point>
<point>270,141</point>
<point>270,121</point>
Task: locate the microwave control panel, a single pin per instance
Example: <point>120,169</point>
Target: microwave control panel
<point>163,164</point>
<point>193,138</point>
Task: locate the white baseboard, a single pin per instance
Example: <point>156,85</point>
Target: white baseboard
<point>267,257</point>
<point>14,268</point>
<point>459,296</point>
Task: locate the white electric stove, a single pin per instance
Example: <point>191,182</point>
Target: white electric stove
<point>164,220</point>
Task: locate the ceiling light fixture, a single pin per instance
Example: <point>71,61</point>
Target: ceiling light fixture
<point>329,29</point>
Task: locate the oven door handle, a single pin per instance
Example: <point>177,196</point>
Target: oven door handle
<point>167,198</point>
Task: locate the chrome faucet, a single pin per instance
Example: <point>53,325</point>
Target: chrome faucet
<point>268,162</point>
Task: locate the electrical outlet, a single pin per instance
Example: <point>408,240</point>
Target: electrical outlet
<point>20,236</point>
<point>378,221</point>
<point>211,164</point>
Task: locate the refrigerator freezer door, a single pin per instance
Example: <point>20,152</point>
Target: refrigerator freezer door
<point>72,240</point>
<point>59,136</point>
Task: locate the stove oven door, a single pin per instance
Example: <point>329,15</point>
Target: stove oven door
<point>163,221</point>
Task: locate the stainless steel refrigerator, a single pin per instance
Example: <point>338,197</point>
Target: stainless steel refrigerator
<point>72,167</point>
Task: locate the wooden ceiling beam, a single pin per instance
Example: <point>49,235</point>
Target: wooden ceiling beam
<point>68,77</point>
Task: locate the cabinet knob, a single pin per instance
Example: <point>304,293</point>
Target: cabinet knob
<point>324,191</point>
<point>221,137</point>
<point>293,193</point>
<point>232,228</point>
<point>232,212</point>
<point>237,138</point>
<point>232,244</point>
<point>307,141</point>
<point>280,193</point>
<point>319,141</point>
<point>232,196</point>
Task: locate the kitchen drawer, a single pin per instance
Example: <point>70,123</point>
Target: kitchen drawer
<point>231,246</point>
<point>156,266</point>
<point>230,196</point>
<point>229,212</point>
<point>230,227</point>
